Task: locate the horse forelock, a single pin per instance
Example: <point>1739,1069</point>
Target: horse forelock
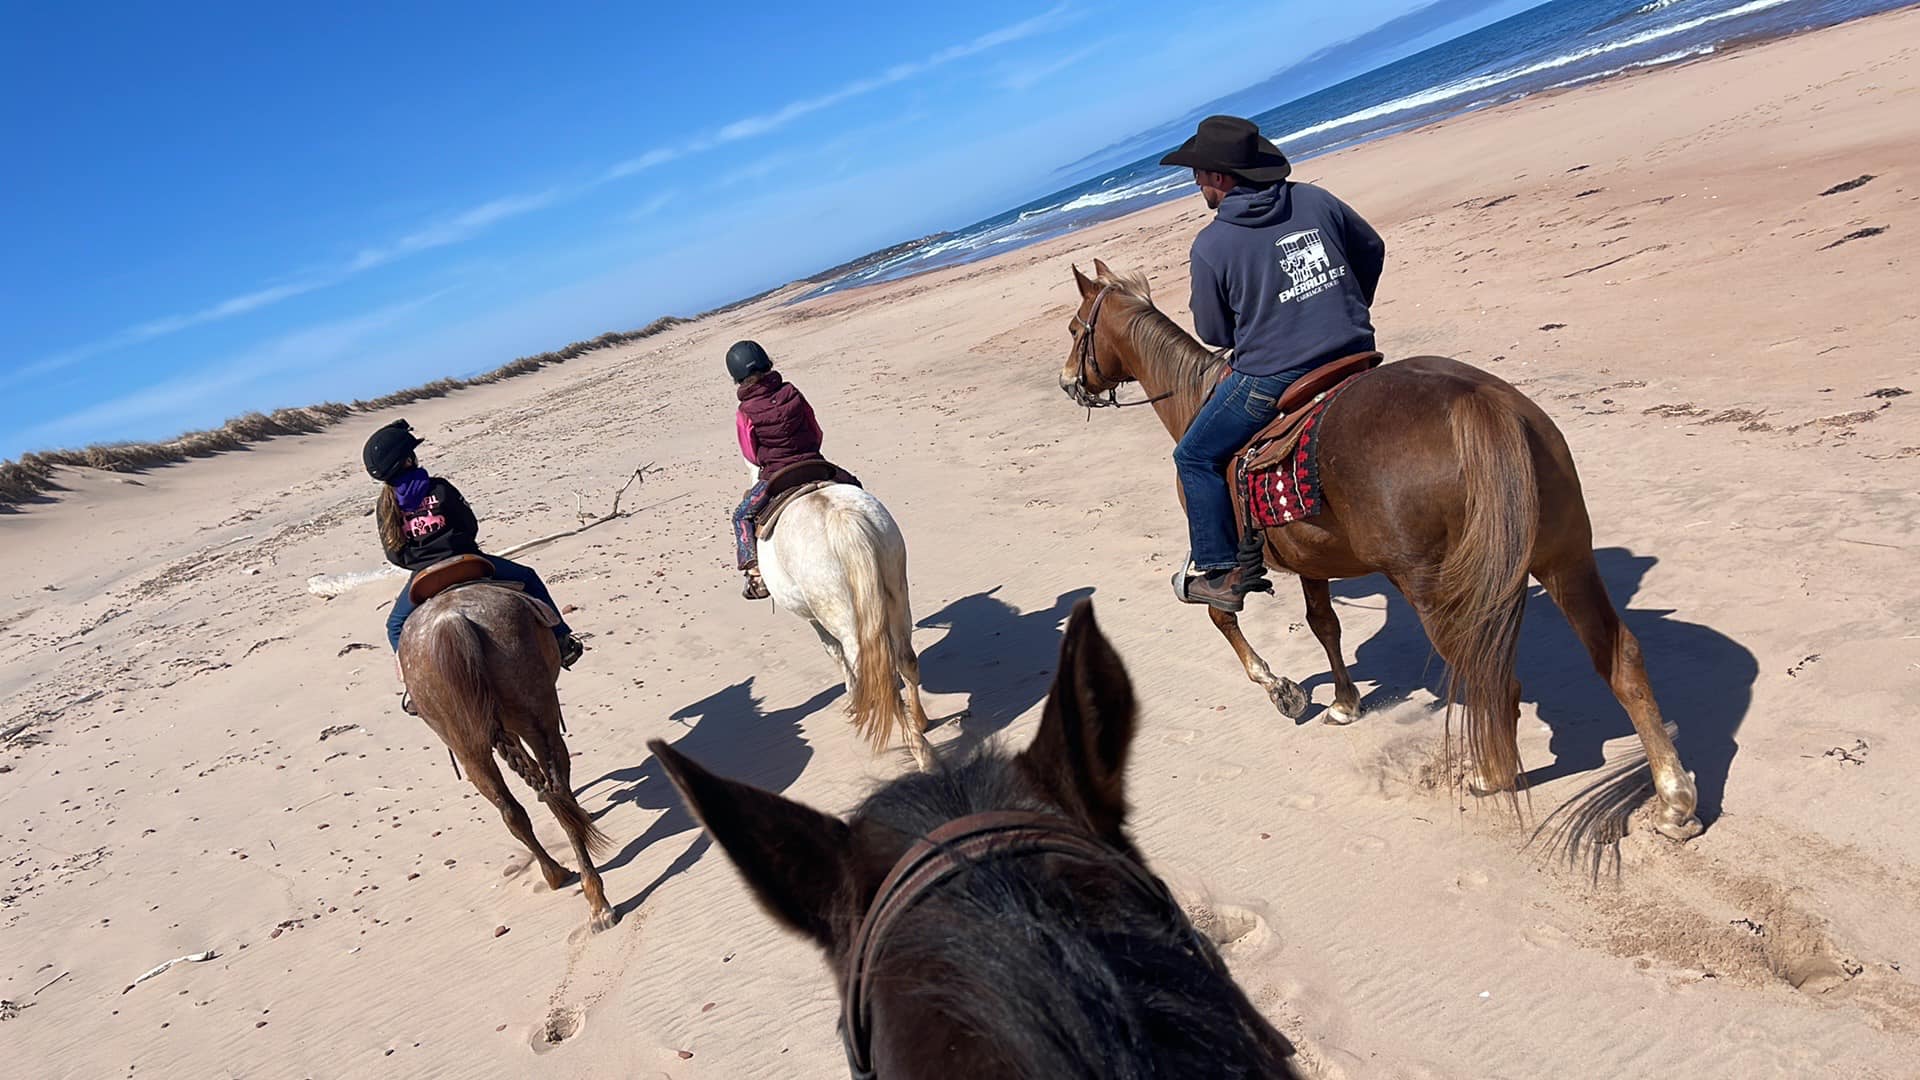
<point>1132,283</point>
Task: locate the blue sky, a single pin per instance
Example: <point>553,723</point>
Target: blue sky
<point>212,208</point>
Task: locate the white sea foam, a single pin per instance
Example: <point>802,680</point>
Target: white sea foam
<point>1449,91</point>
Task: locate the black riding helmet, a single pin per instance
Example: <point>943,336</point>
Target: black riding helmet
<point>388,449</point>
<point>747,359</point>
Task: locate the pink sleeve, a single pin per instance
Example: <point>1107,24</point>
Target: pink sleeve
<point>744,427</point>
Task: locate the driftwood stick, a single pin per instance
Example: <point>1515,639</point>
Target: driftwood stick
<point>639,475</point>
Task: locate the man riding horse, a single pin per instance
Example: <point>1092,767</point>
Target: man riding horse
<point>1284,276</point>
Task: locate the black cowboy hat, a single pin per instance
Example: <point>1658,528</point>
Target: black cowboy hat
<point>1230,144</point>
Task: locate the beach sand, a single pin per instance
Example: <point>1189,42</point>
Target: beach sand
<point>212,757</point>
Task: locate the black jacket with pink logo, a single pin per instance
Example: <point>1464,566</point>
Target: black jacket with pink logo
<point>441,527</point>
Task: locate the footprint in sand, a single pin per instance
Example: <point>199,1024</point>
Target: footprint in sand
<point>1545,936</point>
<point>1229,926</point>
<point>1470,880</point>
<point>1366,844</point>
<point>1305,800</point>
<point>563,1022</point>
<point>1217,774</point>
<point>1181,737</point>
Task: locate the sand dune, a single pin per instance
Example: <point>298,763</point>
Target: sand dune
<point>201,755</point>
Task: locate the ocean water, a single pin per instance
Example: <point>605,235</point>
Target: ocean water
<point>1558,44</point>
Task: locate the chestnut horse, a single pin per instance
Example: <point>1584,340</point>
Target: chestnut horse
<point>1442,477</point>
<point>993,920</point>
<point>481,666</point>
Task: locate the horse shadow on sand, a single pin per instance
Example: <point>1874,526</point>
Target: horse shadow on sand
<point>728,732</point>
<point>999,656</point>
<point>1702,678</point>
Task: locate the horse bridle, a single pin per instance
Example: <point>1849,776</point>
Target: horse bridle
<point>1083,349</point>
<point>952,848</point>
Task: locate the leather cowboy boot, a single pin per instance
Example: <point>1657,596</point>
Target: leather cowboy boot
<point>756,587</point>
<point>1225,590</point>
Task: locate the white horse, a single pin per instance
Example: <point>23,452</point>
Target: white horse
<point>837,559</point>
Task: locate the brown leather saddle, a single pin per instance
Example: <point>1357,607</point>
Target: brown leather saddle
<point>445,574</point>
<point>463,570</point>
<point>1275,442</point>
<point>790,483</point>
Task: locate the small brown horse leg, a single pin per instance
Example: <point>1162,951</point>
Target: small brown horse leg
<point>1582,598</point>
<point>550,748</point>
<point>1285,694</point>
<point>485,774</point>
<point>1326,626</point>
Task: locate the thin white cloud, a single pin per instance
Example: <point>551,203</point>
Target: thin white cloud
<point>651,207</point>
<point>1025,77</point>
<point>306,348</point>
<point>651,159</point>
<point>455,229</point>
<point>751,126</point>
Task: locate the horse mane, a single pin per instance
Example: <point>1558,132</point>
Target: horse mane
<point>1182,363</point>
<point>1056,985</point>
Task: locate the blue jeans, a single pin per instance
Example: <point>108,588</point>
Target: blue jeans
<point>1238,409</point>
<point>746,543</point>
<point>503,570</point>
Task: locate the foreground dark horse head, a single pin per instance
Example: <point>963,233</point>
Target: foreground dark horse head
<point>481,666</point>
<point>1055,956</point>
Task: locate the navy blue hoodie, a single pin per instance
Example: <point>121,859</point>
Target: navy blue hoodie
<point>1285,274</point>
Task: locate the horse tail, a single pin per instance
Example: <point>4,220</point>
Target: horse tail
<point>574,820</point>
<point>1483,578</point>
<point>858,543</point>
<point>459,652</point>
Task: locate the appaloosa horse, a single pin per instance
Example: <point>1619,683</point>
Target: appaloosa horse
<point>993,920</point>
<point>481,664</point>
<point>836,559</point>
<point>1442,477</point>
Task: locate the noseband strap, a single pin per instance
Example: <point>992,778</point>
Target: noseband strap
<point>949,850</point>
<point>1083,348</point>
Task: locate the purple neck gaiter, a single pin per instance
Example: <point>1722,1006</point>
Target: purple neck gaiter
<point>411,488</point>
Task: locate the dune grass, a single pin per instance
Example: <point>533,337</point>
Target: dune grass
<point>30,477</point>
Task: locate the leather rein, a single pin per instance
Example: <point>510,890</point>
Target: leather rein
<point>947,851</point>
<point>1083,349</point>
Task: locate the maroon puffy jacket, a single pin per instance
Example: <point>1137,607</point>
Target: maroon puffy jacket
<point>776,425</point>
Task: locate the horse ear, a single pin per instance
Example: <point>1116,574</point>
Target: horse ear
<point>1080,751</point>
<point>794,858</point>
<point>1100,270</point>
<point>1087,288</point>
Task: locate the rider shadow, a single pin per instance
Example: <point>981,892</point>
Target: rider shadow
<point>734,738</point>
<point>1702,678</point>
<point>1001,658</point>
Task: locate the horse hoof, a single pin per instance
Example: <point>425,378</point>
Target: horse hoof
<point>603,920</point>
<point>1288,698</point>
<point>1486,789</point>
<point>1681,831</point>
<point>1339,715</point>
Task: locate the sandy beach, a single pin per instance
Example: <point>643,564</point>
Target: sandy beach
<point>199,754</point>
